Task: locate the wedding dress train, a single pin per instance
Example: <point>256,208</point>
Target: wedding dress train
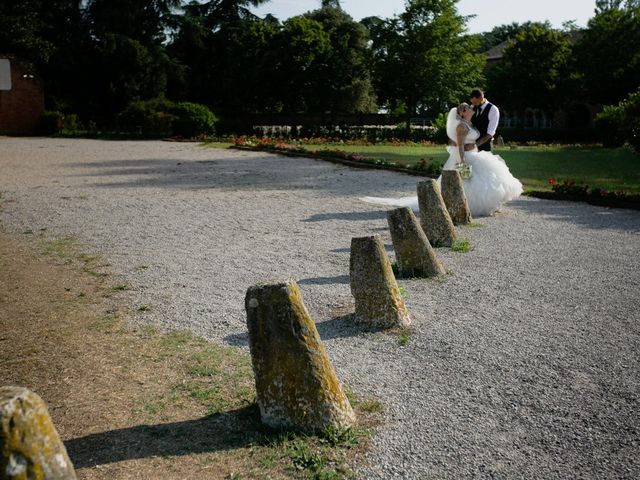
<point>491,183</point>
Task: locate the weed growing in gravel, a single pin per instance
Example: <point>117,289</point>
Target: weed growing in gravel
<point>461,246</point>
<point>62,247</point>
<point>475,225</point>
<point>144,308</point>
<point>28,232</point>
<point>120,287</point>
<point>404,338</point>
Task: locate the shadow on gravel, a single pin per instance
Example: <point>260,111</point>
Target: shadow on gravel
<point>582,214</point>
<point>238,173</point>
<point>219,432</point>
<point>348,216</point>
<point>237,339</point>
<point>343,326</point>
<point>339,279</point>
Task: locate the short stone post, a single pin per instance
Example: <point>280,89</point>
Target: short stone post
<point>454,197</point>
<point>434,217</point>
<point>379,302</point>
<point>30,447</point>
<point>296,385</point>
<point>414,255</point>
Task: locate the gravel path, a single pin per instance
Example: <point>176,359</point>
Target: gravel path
<point>523,362</point>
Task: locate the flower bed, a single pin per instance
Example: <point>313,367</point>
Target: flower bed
<point>572,190</point>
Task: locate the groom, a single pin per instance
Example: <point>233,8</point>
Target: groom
<point>485,118</point>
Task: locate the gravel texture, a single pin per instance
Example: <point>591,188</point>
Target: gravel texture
<point>523,361</point>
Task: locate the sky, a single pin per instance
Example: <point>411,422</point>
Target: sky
<point>489,12</point>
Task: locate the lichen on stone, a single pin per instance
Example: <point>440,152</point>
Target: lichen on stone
<point>30,447</point>
<point>434,216</point>
<point>296,385</point>
<point>378,301</point>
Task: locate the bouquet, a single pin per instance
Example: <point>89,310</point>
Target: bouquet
<point>465,170</point>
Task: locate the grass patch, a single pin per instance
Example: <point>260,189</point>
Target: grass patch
<point>608,168</point>
<point>189,402</point>
<point>461,246</point>
<point>63,247</point>
<point>404,338</point>
<point>474,225</point>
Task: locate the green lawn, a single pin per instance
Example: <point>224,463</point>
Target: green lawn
<point>613,169</point>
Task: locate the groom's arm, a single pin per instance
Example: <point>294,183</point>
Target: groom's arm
<point>494,119</point>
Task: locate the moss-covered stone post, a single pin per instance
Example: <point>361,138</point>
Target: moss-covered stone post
<point>296,384</point>
<point>434,217</point>
<point>414,255</point>
<point>30,447</point>
<point>454,197</point>
<point>379,302</point>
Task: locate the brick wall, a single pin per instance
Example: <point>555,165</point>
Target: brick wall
<point>21,108</point>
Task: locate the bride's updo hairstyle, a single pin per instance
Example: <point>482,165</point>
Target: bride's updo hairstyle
<point>461,109</point>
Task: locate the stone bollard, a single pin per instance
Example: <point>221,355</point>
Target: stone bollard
<point>377,296</point>
<point>295,383</point>
<point>30,447</point>
<point>434,217</point>
<point>414,255</point>
<point>454,197</point>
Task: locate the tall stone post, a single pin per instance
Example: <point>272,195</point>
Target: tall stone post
<point>296,385</point>
<point>379,302</point>
<point>414,255</point>
<point>30,447</point>
<point>455,198</point>
<point>434,217</point>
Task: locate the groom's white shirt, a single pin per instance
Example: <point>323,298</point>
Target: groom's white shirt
<point>494,117</point>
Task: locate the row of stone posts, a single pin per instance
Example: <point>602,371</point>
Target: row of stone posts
<point>296,385</point>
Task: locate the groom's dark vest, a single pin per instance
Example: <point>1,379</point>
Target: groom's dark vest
<point>481,122</point>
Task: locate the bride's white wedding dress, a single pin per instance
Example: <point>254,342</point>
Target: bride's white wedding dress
<point>491,183</point>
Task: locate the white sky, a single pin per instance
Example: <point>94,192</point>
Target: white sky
<point>489,12</point>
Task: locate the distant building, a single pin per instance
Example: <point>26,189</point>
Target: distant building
<point>21,99</point>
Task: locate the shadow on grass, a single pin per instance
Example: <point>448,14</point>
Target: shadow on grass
<point>220,432</point>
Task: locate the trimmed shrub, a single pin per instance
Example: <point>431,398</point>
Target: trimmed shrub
<point>161,117</point>
<point>51,123</point>
<point>193,119</point>
<point>620,124</point>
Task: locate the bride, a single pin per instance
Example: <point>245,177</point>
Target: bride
<point>491,183</point>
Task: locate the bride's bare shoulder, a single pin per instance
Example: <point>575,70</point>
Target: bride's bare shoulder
<point>462,128</point>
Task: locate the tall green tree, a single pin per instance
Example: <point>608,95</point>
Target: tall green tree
<point>424,61</point>
<point>345,75</point>
<point>145,21</point>
<point>302,48</point>
<point>502,33</point>
<point>534,71</point>
<point>608,53</point>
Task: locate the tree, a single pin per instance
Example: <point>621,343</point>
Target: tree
<point>424,62</point>
<point>534,70</point>
<point>302,48</point>
<point>502,33</point>
<point>144,21</point>
<point>345,75</point>
<point>607,5</point>
<point>608,54</point>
